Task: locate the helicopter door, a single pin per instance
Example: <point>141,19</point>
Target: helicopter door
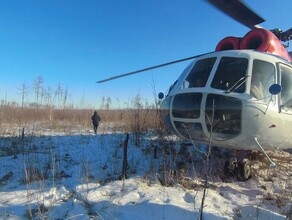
<point>286,83</point>
<point>263,76</point>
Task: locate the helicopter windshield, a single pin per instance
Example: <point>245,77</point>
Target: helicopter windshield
<point>286,82</point>
<point>263,76</point>
<point>231,74</point>
<point>199,74</point>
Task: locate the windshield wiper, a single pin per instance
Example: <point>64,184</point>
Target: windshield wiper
<point>237,84</point>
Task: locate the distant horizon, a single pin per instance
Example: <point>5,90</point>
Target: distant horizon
<point>59,94</point>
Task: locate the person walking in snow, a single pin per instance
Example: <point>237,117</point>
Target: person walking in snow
<point>95,121</point>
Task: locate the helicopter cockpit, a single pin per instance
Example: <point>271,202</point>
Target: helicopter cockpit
<point>213,91</point>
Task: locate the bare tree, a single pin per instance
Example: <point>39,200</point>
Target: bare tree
<point>58,94</point>
<point>102,102</point>
<point>108,103</point>
<point>48,96</point>
<point>4,101</point>
<point>139,116</point>
<point>23,91</point>
<point>105,103</point>
<point>65,98</point>
<point>38,85</point>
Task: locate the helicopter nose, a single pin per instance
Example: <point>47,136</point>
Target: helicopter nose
<point>196,115</point>
<point>165,110</point>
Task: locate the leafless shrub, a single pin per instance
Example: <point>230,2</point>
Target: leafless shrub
<point>190,183</point>
<point>33,174</point>
<point>36,212</point>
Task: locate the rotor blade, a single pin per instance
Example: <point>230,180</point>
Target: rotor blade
<point>150,68</point>
<point>238,11</point>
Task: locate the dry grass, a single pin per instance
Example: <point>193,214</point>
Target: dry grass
<point>14,119</point>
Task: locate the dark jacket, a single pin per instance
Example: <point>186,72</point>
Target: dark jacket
<point>95,119</point>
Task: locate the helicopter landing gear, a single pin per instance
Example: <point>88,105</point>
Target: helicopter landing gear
<point>272,163</point>
<point>238,168</point>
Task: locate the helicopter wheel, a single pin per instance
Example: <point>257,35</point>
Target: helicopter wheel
<point>239,169</point>
<point>244,170</point>
<point>230,168</point>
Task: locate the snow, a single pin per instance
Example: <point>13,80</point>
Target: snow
<point>76,175</point>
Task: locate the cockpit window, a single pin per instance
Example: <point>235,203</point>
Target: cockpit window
<point>199,74</point>
<point>263,76</point>
<point>231,74</point>
<point>286,82</point>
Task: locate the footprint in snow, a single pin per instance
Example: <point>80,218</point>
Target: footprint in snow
<point>189,198</point>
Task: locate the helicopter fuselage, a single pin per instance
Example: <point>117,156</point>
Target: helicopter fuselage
<point>228,99</point>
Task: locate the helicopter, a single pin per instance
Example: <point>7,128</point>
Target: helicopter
<point>238,96</point>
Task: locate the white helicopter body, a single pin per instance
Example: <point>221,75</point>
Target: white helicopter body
<point>228,112</point>
<point>238,97</point>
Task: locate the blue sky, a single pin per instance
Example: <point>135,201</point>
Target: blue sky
<point>75,43</point>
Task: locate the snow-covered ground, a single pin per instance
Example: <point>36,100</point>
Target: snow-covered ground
<point>76,176</point>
